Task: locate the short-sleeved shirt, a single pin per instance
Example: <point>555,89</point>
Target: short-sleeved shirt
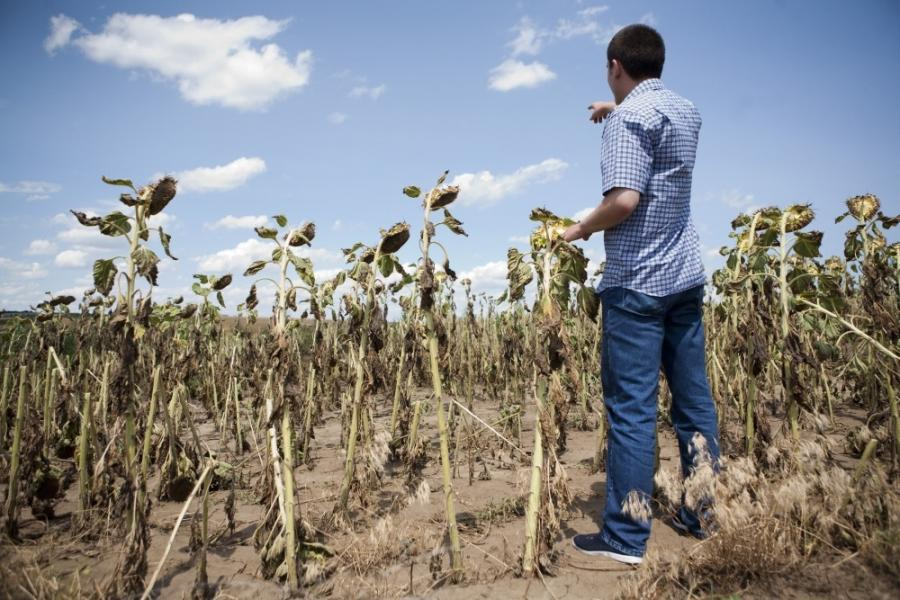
<point>649,145</point>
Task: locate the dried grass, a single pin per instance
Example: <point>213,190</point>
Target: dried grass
<point>804,508</point>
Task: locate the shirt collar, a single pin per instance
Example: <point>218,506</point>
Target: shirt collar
<point>654,83</point>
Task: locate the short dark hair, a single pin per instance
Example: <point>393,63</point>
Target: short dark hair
<point>640,50</point>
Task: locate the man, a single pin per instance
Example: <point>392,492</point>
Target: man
<point>652,288</point>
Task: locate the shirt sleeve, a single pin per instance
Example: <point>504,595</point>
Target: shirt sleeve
<point>626,154</point>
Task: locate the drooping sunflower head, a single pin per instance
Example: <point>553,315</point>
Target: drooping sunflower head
<point>444,196</point>
<point>394,238</point>
<point>798,216</point>
<point>863,207</point>
<point>161,194</point>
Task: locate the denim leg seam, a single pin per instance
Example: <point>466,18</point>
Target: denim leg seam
<point>617,546</point>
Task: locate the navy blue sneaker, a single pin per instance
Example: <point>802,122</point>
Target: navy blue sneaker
<point>592,545</point>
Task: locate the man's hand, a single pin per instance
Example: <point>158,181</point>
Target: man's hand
<point>601,110</point>
<point>575,232</point>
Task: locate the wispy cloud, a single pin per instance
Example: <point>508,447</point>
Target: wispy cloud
<point>40,248</point>
<point>71,259</point>
<point>240,256</point>
<point>14,269</point>
<point>365,91</point>
<point>738,200</point>
<point>485,188</point>
<point>211,61</point>
<point>512,74</point>
<point>220,178</point>
<point>232,222</point>
<point>32,190</point>
<point>528,38</point>
<point>61,30</point>
<point>337,118</point>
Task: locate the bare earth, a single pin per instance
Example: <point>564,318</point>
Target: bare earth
<point>378,558</point>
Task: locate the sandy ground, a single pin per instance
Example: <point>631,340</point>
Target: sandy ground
<point>388,558</point>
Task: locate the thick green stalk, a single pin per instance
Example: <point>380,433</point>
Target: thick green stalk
<point>529,556</point>
<point>287,452</point>
<point>4,402</point>
<point>148,429</point>
<point>349,464</point>
<point>239,436</point>
<point>455,554</point>
<point>793,409</point>
<point>84,477</point>
<point>12,491</point>
<point>132,266</point>
<point>395,408</point>
<point>104,395</point>
<point>49,405</point>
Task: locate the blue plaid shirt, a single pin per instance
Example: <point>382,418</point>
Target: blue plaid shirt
<point>649,145</point>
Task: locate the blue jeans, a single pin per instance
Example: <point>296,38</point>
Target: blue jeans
<point>642,333</point>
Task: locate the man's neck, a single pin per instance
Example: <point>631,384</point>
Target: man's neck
<point>630,84</point>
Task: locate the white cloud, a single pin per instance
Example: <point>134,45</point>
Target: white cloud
<point>239,258</point>
<point>373,92</point>
<point>489,277</point>
<point>212,61</point>
<point>512,74</point>
<point>528,39</point>
<point>220,178</point>
<point>61,30</point>
<point>486,188</point>
<point>40,247</point>
<point>71,259</point>
<point>738,200</point>
<point>21,270</point>
<point>232,222</point>
<point>33,190</point>
<point>337,118</point>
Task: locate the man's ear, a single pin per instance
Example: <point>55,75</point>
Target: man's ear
<point>616,68</point>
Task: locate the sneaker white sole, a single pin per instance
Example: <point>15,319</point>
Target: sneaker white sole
<point>622,558</point>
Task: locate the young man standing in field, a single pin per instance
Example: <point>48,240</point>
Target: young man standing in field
<point>652,287</point>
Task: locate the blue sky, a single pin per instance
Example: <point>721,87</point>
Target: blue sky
<point>324,111</point>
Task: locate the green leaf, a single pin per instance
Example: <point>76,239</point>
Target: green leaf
<point>266,232</point>
<point>200,290</point>
<point>806,243</point>
<point>104,275</point>
<point>888,222</point>
<point>255,267</point>
<point>412,191</point>
<point>442,177</point>
<point>115,224</point>
<point>281,220</point>
<point>201,277</point>
<point>165,239</point>
<point>386,265</point>
<point>145,260</point>
<point>304,268</point>
<point>453,224</point>
<point>221,299</point>
<point>852,244</point>
<point>587,301</point>
<point>125,182</point>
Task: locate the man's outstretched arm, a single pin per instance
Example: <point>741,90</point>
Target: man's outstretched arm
<point>617,205</point>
